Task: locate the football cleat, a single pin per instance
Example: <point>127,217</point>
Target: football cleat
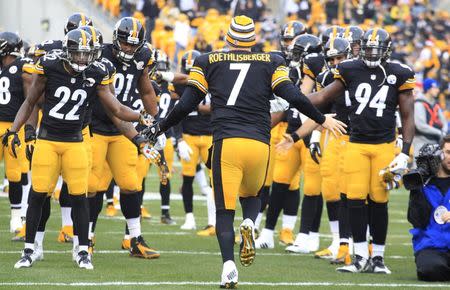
<point>343,256</point>
<point>324,254</point>
<point>286,237</point>
<point>247,247</point>
<point>167,220</point>
<point>84,261</point>
<point>359,265</point>
<point>111,210</point>
<point>313,242</point>
<point>189,223</point>
<point>378,267</point>
<point>229,276</point>
<point>138,248</point>
<point>66,234</point>
<point>20,236</point>
<point>300,245</point>
<point>38,253</point>
<point>265,240</point>
<point>209,230</point>
<point>126,244</point>
<point>15,223</point>
<point>145,214</point>
<point>26,260</point>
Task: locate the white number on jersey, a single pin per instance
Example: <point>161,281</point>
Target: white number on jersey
<point>164,103</point>
<point>64,94</point>
<point>5,94</point>
<point>119,84</point>
<point>243,70</point>
<point>362,95</point>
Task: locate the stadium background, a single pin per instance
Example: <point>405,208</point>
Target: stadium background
<point>189,261</point>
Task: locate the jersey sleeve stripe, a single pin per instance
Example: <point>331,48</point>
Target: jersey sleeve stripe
<point>197,85</point>
<point>280,74</point>
<point>197,70</point>
<point>407,86</point>
<point>198,77</point>
<point>38,69</point>
<point>279,80</point>
<point>308,72</point>
<point>28,68</point>
<point>337,75</point>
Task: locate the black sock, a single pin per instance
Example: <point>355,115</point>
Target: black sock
<point>15,194</point>
<point>64,199</point>
<point>129,204</point>
<point>264,195</point>
<point>75,226</point>
<point>98,209</point>
<point>34,212</point>
<point>357,213</point>
<point>110,193</point>
<point>318,215</point>
<point>309,207</point>
<point>225,233</point>
<point>164,190</point>
<point>333,210</point>
<point>188,193</point>
<point>344,223</point>
<point>80,211</point>
<point>24,178</point>
<point>279,191</point>
<point>378,222</point>
<point>45,215</point>
<point>291,202</point>
<point>198,168</point>
<point>250,207</point>
<point>141,193</point>
<point>127,231</point>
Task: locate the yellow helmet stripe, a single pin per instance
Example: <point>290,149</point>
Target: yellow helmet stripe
<point>374,34</point>
<point>347,32</point>
<point>94,35</point>
<point>83,37</point>
<point>332,43</point>
<point>83,19</point>
<point>334,31</point>
<point>134,33</point>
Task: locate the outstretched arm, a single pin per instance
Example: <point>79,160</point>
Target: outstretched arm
<point>327,94</point>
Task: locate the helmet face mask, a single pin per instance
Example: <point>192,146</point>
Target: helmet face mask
<point>78,50</point>
<point>375,47</point>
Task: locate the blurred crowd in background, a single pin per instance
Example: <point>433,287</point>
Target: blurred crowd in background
<point>421,34</point>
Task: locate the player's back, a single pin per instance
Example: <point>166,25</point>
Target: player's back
<point>240,83</point>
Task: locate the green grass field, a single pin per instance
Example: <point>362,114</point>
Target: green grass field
<point>191,262</point>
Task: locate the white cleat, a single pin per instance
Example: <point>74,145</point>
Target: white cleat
<point>15,223</point>
<point>359,265</point>
<point>84,261</point>
<point>313,242</point>
<point>265,240</point>
<point>229,275</point>
<point>300,246</point>
<point>38,254</point>
<point>26,261</point>
<point>189,223</point>
<point>378,267</point>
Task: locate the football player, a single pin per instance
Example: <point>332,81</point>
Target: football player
<point>67,82</point>
<point>132,60</point>
<point>376,86</point>
<point>15,80</point>
<point>241,84</point>
<point>354,35</point>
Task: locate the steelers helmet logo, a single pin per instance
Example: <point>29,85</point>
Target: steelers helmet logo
<point>13,69</point>
<point>391,79</point>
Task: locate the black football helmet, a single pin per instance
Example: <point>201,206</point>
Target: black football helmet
<point>336,47</point>
<point>375,47</point>
<point>128,38</point>
<point>187,61</point>
<point>10,44</point>
<point>78,49</point>
<point>354,34</point>
<point>305,44</point>
<point>288,32</point>
<point>332,31</point>
<point>76,20</point>
<point>97,40</point>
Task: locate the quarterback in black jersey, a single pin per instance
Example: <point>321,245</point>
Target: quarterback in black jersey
<point>133,59</point>
<point>67,82</point>
<point>15,80</point>
<point>376,86</point>
<point>241,84</point>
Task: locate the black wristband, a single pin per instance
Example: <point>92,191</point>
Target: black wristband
<point>406,147</point>
<point>137,140</point>
<point>295,137</point>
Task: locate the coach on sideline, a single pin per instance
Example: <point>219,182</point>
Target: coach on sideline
<point>429,213</point>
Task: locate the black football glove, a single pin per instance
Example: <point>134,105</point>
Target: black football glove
<point>152,132</point>
<point>12,142</point>
<point>315,152</point>
<point>30,140</point>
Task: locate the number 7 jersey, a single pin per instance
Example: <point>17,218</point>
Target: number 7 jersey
<point>241,85</point>
<point>374,98</point>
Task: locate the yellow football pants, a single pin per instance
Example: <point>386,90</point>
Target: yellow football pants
<point>363,163</point>
<point>121,155</point>
<point>13,166</point>
<point>276,135</point>
<point>239,168</point>
<point>199,146</point>
<point>288,166</point>
<point>51,159</point>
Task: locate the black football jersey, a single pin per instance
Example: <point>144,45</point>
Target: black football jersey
<point>11,87</point>
<point>125,85</point>
<point>373,95</point>
<point>195,123</point>
<point>241,84</point>
<point>313,65</point>
<point>66,97</point>
<point>47,46</point>
<point>341,103</point>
